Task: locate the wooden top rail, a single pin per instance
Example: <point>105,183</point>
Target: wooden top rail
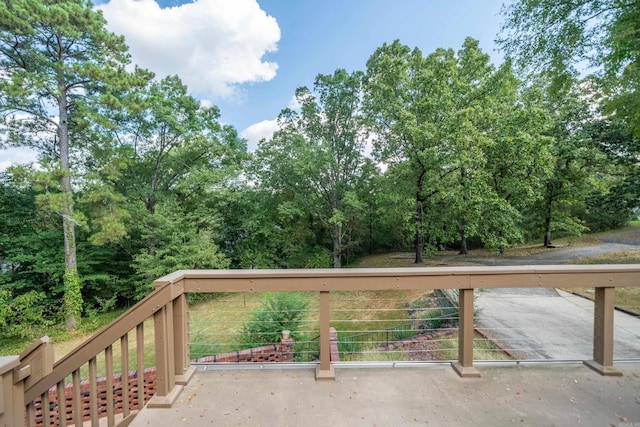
<point>428,278</point>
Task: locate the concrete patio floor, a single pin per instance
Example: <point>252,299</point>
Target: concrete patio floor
<point>535,394</point>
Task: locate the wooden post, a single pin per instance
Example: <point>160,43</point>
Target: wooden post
<point>12,391</point>
<point>183,369</point>
<point>34,363</point>
<point>464,365</point>
<point>39,356</point>
<point>161,350</point>
<point>325,371</point>
<point>166,389</point>
<point>603,311</point>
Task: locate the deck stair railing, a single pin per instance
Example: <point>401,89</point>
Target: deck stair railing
<point>28,378</point>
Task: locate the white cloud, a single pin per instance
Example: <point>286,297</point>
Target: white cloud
<point>16,156</point>
<point>294,104</point>
<point>213,45</point>
<point>254,133</point>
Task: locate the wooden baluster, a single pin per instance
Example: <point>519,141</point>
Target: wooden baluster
<point>62,404</point>
<point>124,368</point>
<point>78,415</point>
<point>108,362</point>
<point>140,363</point>
<point>93,391</point>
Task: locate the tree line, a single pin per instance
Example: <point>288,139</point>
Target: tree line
<point>136,178</point>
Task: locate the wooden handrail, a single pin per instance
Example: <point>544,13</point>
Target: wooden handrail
<point>430,278</point>
<point>168,306</point>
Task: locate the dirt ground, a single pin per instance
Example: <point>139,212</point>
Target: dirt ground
<point>625,240</point>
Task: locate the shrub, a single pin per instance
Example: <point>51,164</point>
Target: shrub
<point>431,319</point>
<point>348,346</point>
<point>280,311</point>
<point>404,333</point>
<point>19,315</point>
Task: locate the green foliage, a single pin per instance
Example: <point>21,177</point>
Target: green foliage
<point>72,301</point>
<point>177,241</point>
<point>403,334</point>
<point>317,257</point>
<point>440,121</point>
<point>19,315</point>
<point>348,347</point>
<point>138,178</point>
<point>434,314</point>
<point>56,58</point>
<point>612,209</point>
<point>559,37</point>
<point>305,350</point>
<point>431,319</point>
<point>280,311</point>
<point>317,157</point>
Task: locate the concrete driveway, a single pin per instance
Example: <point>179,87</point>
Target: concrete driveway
<point>543,324</point>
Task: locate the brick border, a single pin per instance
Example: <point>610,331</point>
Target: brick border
<point>134,402</point>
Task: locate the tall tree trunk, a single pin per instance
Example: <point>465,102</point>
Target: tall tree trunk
<point>464,250</point>
<point>72,291</point>
<point>370,230</point>
<point>337,246</point>
<point>419,238</point>
<point>463,236</point>
<point>547,225</point>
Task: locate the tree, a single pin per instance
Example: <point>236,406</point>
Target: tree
<point>430,116</point>
<point>259,230</point>
<point>615,186</point>
<point>318,155</point>
<point>55,55</point>
<point>559,37</point>
<point>170,154</point>
<point>404,95</point>
<point>280,311</point>
<point>573,157</point>
<point>518,159</point>
<point>170,139</point>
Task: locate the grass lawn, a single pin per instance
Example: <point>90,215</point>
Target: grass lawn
<point>215,324</point>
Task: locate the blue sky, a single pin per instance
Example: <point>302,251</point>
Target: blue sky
<point>248,56</point>
<point>322,36</point>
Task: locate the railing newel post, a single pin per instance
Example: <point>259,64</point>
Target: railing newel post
<point>170,348</point>
<point>603,313</point>
<point>464,365</point>
<point>183,370</point>
<point>325,371</point>
<point>11,392</point>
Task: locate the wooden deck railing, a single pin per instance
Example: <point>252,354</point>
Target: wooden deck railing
<point>27,379</point>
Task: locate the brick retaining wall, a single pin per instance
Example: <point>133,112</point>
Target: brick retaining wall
<point>281,352</point>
